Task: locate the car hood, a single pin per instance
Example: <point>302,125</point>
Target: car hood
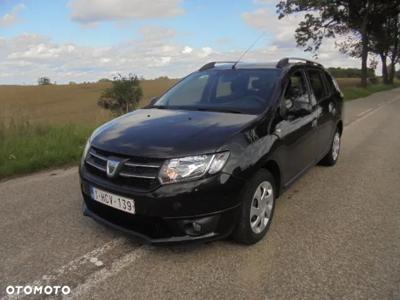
<point>164,133</point>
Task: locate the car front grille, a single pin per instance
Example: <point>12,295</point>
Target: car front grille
<point>135,172</point>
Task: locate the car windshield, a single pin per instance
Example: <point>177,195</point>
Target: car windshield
<point>229,90</point>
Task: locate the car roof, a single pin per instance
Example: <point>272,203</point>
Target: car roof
<point>247,65</point>
<point>284,64</point>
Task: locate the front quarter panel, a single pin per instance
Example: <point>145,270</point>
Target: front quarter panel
<point>250,150</point>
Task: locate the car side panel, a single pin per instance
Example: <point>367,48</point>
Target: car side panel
<point>297,142</point>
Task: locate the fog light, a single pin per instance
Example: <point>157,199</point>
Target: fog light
<point>199,226</point>
<point>196,227</point>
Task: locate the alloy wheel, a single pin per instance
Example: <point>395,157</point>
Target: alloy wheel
<point>336,146</point>
<point>261,207</point>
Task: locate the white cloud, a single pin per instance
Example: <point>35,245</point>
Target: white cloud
<point>266,20</point>
<point>187,50</point>
<point>155,34</point>
<point>206,51</point>
<point>12,17</point>
<point>93,11</point>
<point>28,57</point>
<point>266,1</point>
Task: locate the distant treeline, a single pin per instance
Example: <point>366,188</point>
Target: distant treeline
<point>103,80</point>
<point>349,72</point>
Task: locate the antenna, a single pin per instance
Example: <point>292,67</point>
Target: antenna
<point>248,49</point>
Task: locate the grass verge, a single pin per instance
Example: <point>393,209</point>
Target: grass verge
<point>26,148</point>
<point>351,93</point>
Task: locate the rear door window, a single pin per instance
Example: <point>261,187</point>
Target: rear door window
<point>332,84</point>
<point>317,84</point>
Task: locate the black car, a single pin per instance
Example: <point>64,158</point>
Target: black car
<point>209,158</point>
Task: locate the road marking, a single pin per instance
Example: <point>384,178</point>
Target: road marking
<point>393,100</point>
<point>96,261</point>
<point>364,116</point>
<point>364,112</point>
<point>73,265</point>
<point>102,275</point>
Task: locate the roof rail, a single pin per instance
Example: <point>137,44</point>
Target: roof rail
<point>285,61</point>
<point>212,64</point>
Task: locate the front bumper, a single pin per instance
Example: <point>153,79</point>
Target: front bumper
<point>201,210</point>
<point>169,231</point>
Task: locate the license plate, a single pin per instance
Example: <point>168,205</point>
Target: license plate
<point>118,202</point>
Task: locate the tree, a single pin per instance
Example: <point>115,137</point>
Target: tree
<point>123,96</point>
<point>44,81</point>
<point>104,80</point>
<point>394,50</point>
<point>385,43</point>
<point>328,18</point>
<point>384,37</point>
<point>349,72</point>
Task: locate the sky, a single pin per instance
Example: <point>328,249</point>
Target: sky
<point>85,40</point>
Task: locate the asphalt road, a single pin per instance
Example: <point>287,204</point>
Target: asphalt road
<point>335,233</point>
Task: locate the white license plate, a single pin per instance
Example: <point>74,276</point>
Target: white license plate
<point>118,202</point>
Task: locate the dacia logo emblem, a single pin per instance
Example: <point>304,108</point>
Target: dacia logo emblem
<point>112,167</point>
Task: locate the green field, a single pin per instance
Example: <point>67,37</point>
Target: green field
<point>46,126</point>
<point>354,92</point>
<point>25,148</point>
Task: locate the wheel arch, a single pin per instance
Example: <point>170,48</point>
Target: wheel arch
<point>273,167</point>
<point>340,127</point>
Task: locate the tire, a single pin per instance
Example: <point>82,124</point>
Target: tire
<point>249,229</point>
<point>332,156</point>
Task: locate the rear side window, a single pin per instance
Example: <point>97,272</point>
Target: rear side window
<point>317,84</point>
<point>333,87</point>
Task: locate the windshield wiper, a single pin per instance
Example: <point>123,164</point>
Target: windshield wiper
<point>223,110</point>
<point>228,110</point>
<point>159,106</point>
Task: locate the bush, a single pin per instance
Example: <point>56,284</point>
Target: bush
<point>123,96</point>
<point>44,81</point>
<point>103,80</point>
<point>373,80</point>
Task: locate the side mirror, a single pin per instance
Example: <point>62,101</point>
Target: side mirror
<point>294,108</point>
<point>288,104</point>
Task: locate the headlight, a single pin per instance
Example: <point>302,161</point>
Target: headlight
<point>92,136</point>
<point>192,167</point>
<point>85,151</point>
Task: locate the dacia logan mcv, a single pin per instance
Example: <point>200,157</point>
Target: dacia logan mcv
<point>209,158</point>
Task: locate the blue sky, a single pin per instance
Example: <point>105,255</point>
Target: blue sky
<point>77,40</point>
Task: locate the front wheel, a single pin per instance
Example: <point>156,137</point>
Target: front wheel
<point>332,156</point>
<point>257,208</point>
